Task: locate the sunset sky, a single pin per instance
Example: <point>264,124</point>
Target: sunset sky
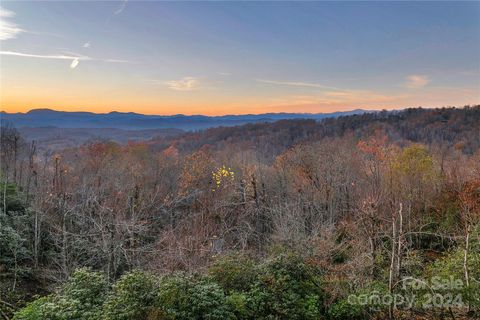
<point>238,57</point>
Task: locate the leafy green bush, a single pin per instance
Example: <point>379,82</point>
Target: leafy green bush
<point>132,297</point>
<point>282,288</point>
<point>343,310</point>
<point>89,288</point>
<point>173,298</point>
<point>287,288</point>
<point>15,254</point>
<point>40,309</point>
<point>187,297</point>
<point>238,303</point>
<point>208,301</point>
<point>450,268</point>
<point>234,272</point>
<point>81,298</point>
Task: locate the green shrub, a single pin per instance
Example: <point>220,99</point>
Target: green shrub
<point>234,272</point>
<point>41,309</point>
<point>132,297</point>
<point>89,288</point>
<point>186,297</point>
<point>208,301</point>
<point>287,288</point>
<point>173,297</point>
<point>282,288</point>
<point>343,310</point>
<point>81,298</point>
<point>238,303</point>
<point>450,268</point>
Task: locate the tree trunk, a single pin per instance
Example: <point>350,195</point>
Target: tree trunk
<point>400,235</point>
<point>392,266</point>
<point>465,256</point>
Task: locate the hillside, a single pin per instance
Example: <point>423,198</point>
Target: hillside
<point>443,127</point>
<point>285,220</point>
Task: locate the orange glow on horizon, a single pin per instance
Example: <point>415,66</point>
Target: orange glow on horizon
<point>202,110</point>
<point>13,101</point>
<point>221,111</point>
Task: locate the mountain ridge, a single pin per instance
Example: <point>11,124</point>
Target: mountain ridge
<point>45,117</point>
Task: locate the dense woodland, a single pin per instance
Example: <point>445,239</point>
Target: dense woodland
<point>282,220</point>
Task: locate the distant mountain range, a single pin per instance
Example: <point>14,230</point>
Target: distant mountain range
<point>134,121</point>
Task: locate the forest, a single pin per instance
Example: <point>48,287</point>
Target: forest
<point>367,216</point>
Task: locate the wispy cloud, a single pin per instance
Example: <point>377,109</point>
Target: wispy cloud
<point>86,45</point>
<point>298,84</point>
<point>416,81</point>
<point>329,94</point>
<point>45,56</point>
<point>69,56</point>
<point>8,29</point>
<point>74,58</point>
<point>184,84</point>
<point>121,7</point>
<point>333,100</point>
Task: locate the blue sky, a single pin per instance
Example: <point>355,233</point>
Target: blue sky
<point>238,57</point>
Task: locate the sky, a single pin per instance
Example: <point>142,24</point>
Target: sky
<point>227,57</point>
